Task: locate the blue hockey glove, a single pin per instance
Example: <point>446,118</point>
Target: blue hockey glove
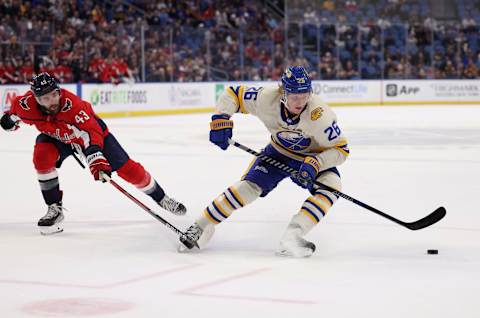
<point>307,173</point>
<point>221,130</point>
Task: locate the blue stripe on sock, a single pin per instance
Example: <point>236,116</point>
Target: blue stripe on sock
<point>211,214</point>
<point>313,214</point>
<point>218,210</point>
<point>233,196</point>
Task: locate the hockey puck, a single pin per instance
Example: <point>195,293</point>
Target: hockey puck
<point>432,252</point>
<point>189,244</point>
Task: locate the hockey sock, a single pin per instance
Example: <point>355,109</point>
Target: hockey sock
<point>235,197</point>
<point>45,155</point>
<point>50,186</point>
<point>314,209</point>
<point>134,173</point>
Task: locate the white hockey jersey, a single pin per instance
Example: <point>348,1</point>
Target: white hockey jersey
<point>314,132</point>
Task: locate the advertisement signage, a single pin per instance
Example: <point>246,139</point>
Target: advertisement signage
<point>9,92</point>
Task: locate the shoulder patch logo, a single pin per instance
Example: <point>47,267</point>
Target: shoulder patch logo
<point>67,106</point>
<point>316,113</point>
<point>23,102</point>
<point>288,73</point>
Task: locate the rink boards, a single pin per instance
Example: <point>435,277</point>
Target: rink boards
<point>144,99</point>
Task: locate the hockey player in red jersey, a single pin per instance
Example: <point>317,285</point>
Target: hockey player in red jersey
<point>68,125</point>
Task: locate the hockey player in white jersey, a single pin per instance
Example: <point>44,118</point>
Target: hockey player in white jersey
<point>305,135</point>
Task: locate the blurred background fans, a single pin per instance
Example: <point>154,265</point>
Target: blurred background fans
<point>204,40</point>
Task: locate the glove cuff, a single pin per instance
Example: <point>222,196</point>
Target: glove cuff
<point>92,149</point>
<point>220,116</point>
<point>219,123</point>
<point>95,156</point>
<point>312,161</point>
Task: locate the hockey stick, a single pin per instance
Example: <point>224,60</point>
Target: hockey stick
<point>428,220</point>
<point>183,238</point>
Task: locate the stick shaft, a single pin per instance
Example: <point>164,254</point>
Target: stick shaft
<point>143,206</point>
<point>430,219</point>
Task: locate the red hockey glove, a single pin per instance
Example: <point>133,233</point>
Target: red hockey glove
<point>97,163</point>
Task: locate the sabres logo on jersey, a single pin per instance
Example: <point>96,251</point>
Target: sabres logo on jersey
<point>316,113</point>
<point>67,106</point>
<point>293,140</point>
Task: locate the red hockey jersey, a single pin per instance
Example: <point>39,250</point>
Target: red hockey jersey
<point>75,123</point>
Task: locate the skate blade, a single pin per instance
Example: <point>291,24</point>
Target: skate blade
<point>50,230</point>
<point>183,249</point>
<point>300,254</point>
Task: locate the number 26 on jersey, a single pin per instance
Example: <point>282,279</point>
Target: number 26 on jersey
<point>333,131</point>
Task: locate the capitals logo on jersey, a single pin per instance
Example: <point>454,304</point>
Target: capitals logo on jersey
<point>24,102</point>
<point>67,106</point>
<point>293,140</point>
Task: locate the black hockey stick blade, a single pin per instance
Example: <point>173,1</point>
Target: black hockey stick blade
<point>430,219</point>
<point>188,243</point>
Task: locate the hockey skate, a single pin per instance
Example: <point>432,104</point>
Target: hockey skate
<point>51,222</point>
<point>293,244</point>
<point>195,234</point>
<point>172,205</point>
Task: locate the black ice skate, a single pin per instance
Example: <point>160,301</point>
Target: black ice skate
<point>51,222</point>
<point>172,205</point>
<point>196,235</point>
<point>293,244</point>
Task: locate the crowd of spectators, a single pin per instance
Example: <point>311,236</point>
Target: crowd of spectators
<point>202,40</point>
<point>391,39</point>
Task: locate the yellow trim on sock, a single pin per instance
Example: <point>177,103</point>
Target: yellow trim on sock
<point>217,203</point>
<point>323,197</point>
<point>227,202</point>
<point>209,217</point>
<point>237,196</point>
<point>309,215</point>
<point>317,205</point>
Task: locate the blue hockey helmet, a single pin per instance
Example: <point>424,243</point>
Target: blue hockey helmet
<point>42,84</point>
<point>295,80</point>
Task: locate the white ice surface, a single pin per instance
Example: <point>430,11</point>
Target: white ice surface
<point>114,260</point>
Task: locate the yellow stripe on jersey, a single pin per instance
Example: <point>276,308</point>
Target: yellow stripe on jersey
<point>237,94</point>
<point>232,93</point>
<point>342,146</point>
<point>248,168</point>
<point>243,110</point>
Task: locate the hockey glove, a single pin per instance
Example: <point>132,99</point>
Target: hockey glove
<point>97,163</point>
<point>307,173</point>
<point>221,130</point>
<point>10,122</point>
